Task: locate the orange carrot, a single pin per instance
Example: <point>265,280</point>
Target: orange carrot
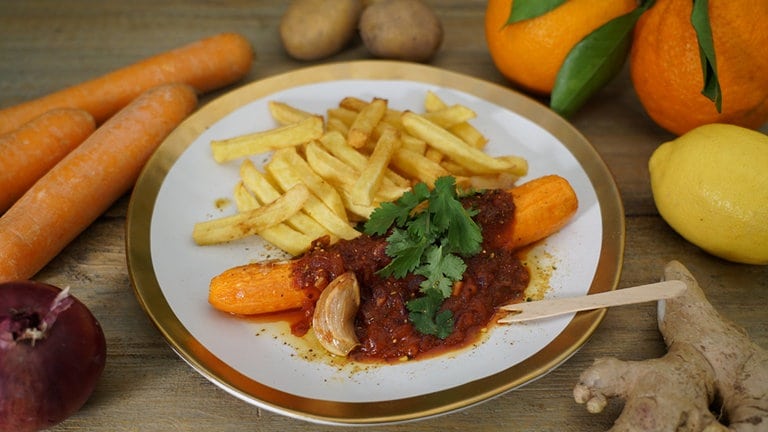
<point>30,151</point>
<point>205,65</point>
<point>256,288</point>
<point>88,180</point>
<point>542,207</point>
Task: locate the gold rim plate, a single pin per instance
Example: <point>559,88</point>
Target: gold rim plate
<point>170,274</point>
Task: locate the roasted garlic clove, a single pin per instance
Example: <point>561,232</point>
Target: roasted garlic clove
<point>334,317</point>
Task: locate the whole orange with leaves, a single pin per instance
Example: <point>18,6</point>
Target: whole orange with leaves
<point>666,68</point>
<point>529,53</point>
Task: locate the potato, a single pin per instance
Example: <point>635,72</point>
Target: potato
<point>401,29</point>
<point>315,29</point>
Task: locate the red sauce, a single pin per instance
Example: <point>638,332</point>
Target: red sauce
<point>494,277</point>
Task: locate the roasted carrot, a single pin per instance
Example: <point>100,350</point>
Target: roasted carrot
<point>256,288</point>
<point>542,207</point>
<point>30,151</point>
<point>205,65</point>
<point>88,180</point>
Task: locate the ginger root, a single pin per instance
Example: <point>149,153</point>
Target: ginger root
<point>710,362</point>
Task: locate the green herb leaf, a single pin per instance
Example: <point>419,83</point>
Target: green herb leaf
<point>700,22</point>
<point>396,213</point>
<point>386,215</point>
<point>427,318</point>
<point>463,234</point>
<point>430,232</point>
<point>526,9</point>
<point>441,270</point>
<point>593,62</point>
<point>406,252</point>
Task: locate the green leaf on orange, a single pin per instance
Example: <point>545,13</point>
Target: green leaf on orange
<point>593,62</point>
<point>522,10</point>
<point>701,24</point>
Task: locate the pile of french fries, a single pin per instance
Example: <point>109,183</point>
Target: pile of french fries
<point>328,173</point>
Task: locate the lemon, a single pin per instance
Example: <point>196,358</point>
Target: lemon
<point>711,186</point>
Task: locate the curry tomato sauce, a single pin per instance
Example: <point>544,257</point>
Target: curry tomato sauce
<point>494,277</point>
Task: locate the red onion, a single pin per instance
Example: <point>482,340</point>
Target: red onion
<point>52,353</point>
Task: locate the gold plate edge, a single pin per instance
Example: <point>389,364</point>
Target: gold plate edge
<point>578,331</point>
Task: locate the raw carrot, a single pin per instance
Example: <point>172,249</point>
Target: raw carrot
<point>205,65</point>
<point>88,180</point>
<point>542,207</point>
<point>27,153</point>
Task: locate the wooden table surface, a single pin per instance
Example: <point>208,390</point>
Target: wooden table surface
<point>48,44</point>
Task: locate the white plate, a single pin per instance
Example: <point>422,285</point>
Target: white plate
<point>260,362</point>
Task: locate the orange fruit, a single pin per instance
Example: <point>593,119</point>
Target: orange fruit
<point>529,53</point>
<point>665,66</point>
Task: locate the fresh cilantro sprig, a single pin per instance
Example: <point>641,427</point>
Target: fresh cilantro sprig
<point>431,232</point>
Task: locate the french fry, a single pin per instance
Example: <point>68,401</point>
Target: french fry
<point>343,115</point>
<point>468,133</point>
<point>365,122</point>
<point>451,116</point>
<point>266,192</point>
<point>418,166</point>
<point>433,102</point>
<point>288,159</point>
<point>447,117</point>
<point>329,167</point>
<point>337,145</point>
<point>286,114</point>
<point>364,189</point>
<point>314,207</point>
<point>344,175</point>
<point>391,116</point>
<point>472,158</point>
<point>248,223</point>
<point>517,161</point>
<point>352,103</point>
<point>414,144</point>
<point>356,104</point>
<point>334,124</point>
<point>338,173</point>
<point>434,155</point>
<point>362,154</point>
<point>290,135</point>
<point>493,181</point>
<point>457,169</point>
<point>280,235</point>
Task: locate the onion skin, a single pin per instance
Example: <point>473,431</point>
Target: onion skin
<point>45,380</point>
